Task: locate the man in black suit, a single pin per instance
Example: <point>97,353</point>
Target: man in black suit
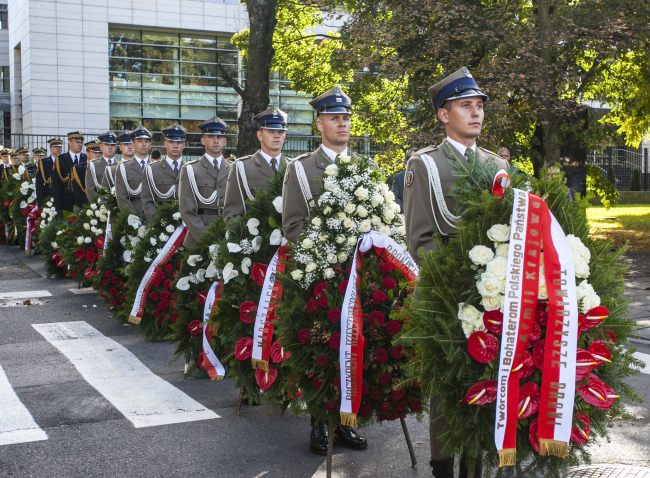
<point>61,174</point>
<point>44,172</point>
<point>78,174</point>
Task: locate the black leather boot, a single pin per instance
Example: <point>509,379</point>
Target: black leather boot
<point>318,438</point>
<point>442,468</point>
<point>348,437</point>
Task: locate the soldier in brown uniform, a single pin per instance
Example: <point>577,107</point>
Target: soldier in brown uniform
<point>160,181</point>
<point>129,175</point>
<point>127,146</point>
<point>333,109</point>
<point>96,169</point>
<point>252,173</point>
<point>458,102</point>
<point>202,185</point>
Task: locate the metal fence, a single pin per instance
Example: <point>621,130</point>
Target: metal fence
<point>623,162</point>
<point>293,146</point>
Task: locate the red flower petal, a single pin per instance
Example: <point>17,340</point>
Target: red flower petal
<point>482,347</point>
<point>194,327</point>
<point>585,363</point>
<point>481,393</point>
<point>258,271</point>
<point>247,311</point>
<point>319,288</point>
<point>541,313</point>
<point>533,436</point>
<point>597,393</point>
<point>264,378</point>
<point>581,429</point>
<point>528,406</point>
<point>538,355</point>
<point>600,351</point>
<point>244,348</point>
<point>99,242</point>
<point>493,321</point>
<point>595,317</point>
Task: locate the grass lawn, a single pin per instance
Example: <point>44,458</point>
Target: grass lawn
<point>625,223</point>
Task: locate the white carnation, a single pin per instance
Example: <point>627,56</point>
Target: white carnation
<point>163,237</point>
<point>142,231</point>
<point>481,255</point>
<point>54,245</point>
<point>589,301</point>
<point>93,222</point>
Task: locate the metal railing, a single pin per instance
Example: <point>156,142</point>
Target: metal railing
<point>623,162</point>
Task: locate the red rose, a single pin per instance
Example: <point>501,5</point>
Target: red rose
<point>385,268</point>
<point>247,311</point>
<point>385,379</point>
<point>376,318</point>
<point>400,408</point>
<point>174,316</point>
<point>79,254</point>
<point>415,405</point>
<point>244,348</point>
<point>493,321</point>
<point>397,352</point>
<point>194,327</point>
<point>168,284</point>
<point>303,336</point>
<point>322,361</point>
<point>316,383</point>
<point>379,297</point>
<point>115,280</point>
<point>112,291</point>
<point>320,288</point>
<point>108,273</point>
<point>365,411</point>
<point>311,306</point>
<point>169,268</point>
<point>380,355</point>
<point>393,327</point>
<point>265,378</point>
<point>104,282</point>
<point>581,429</point>
<point>153,296</point>
<point>388,283</point>
<point>334,341</point>
<point>343,285</point>
<point>258,271</point>
<point>91,255</point>
<point>164,294</point>
<point>375,394</point>
<point>398,394</point>
<point>385,409</point>
<point>334,315</point>
<point>322,301</point>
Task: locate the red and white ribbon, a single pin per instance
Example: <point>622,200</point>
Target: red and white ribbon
<point>164,256</point>
<point>211,363</point>
<point>352,340</point>
<point>109,231</point>
<point>500,183</point>
<point>31,214</point>
<point>533,229</point>
<point>265,316</point>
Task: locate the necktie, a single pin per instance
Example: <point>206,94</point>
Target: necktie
<point>215,163</point>
<point>175,167</point>
<point>75,160</point>
<point>274,164</point>
<point>142,164</point>
<point>470,154</point>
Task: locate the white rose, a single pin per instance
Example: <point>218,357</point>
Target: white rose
<point>183,283</point>
<point>349,208</point>
<point>316,222</point>
<point>341,215</point>
<point>581,266</point>
<point>152,241</point>
<point>246,265</point>
<point>233,248</point>
<point>127,256</point>
<point>342,257</point>
<point>340,239</point>
<point>331,258</point>
<point>361,193</point>
<point>275,239</point>
<point>194,259</point>
<point>142,231</point>
<point>252,226</point>
<point>328,273</point>
<point>480,255</point>
<point>327,210</point>
<point>470,327</point>
<point>296,274</point>
<point>499,233</point>
<point>54,245</point>
<point>211,271</point>
<point>89,213</point>
<point>93,222</point>
<point>344,159</point>
<point>163,237</point>
<point>87,240</point>
<point>502,250</point>
<point>307,243</point>
<point>176,216</point>
<point>385,230</point>
<point>332,170</point>
<point>352,241</point>
<point>365,225</point>
<point>80,240</point>
<point>497,267</point>
<point>488,286</point>
<point>229,272</point>
<point>86,226</point>
<point>492,303</point>
<point>376,199</point>
<point>362,211</point>
<point>589,301</point>
<point>277,204</point>
<point>348,224</point>
<point>93,206</point>
<point>100,230</point>
<point>170,229</point>
<point>375,220</point>
<point>389,215</point>
<point>311,267</point>
<point>134,241</point>
<point>579,248</point>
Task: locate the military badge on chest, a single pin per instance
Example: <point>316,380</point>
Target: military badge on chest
<point>408,180</point>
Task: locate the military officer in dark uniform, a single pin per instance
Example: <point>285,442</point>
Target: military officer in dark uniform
<point>44,172</point>
<point>129,174</point>
<point>458,102</point>
<point>333,110</point>
<point>202,184</point>
<point>96,168</point>
<point>252,173</point>
<point>64,199</point>
<point>78,174</point>
<point>160,182</point>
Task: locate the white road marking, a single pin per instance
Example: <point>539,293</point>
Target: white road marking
<point>645,358</point>
<point>83,290</point>
<point>24,294</point>
<point>144,398</point>
<point>16,423</point>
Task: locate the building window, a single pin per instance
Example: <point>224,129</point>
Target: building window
<point>4,76</point>
<point>4,24</point>
<point>160,77</point>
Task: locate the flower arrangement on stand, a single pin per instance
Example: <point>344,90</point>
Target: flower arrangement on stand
<point>52,229</point>
<point>8,196</point>
<point>23,211</point>
<point>355,204</point>
<point>463,320</point>
<point>159,310</point>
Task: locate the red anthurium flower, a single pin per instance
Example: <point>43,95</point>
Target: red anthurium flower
<point>79,253</point>
<point>244,348</point>
<point>535,334</point>
<point>600,351</point>
<point>202,297</point>
<point>611,336</point>
<point>597,393</point>
<point>202,361</point>
<point>493,321</point>
<point>265,378</point>
<point>481,393</point>
<point>99,242</point>
<point>527,366</point>
<point>89,273</point>
<point>595,317</point>
<point>258,271</point>
<point>585,363</point>
<point>528,399</point>
<point>482,347</point>
<point>533,436</point>
<point>278,354</point>
<point>247,311</point>
<point>580,430</point>
<point>194,327</point>
<point>538,355</point>
<point>582,319</point>
<point>541,313</point>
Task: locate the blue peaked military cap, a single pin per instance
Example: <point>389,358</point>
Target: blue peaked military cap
<point>334,101</point>
<point>175,132</point>
<point>459,84</point>
<point>140,132</point>
<point>214,126</point>
<point>272,118</point>
<point>124,137</point>
<point>107,138</point>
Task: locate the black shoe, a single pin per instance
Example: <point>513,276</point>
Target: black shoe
<point>442,468</point>
<point>318,439</point>
<point>349,438</point>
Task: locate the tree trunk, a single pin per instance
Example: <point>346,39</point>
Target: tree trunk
<point>262,17</point>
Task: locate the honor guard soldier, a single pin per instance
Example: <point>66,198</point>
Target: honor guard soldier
<point>428,204</point>
<point>251,174</point>
<point>44,172</point>
<point>161,178</point>
<point>129,175</point>
<point>202,184</point>
<point>97,168</point>
<point>7,167</point>
<point>333,109</point>
<point>127,147</point>
<point>61,187</point>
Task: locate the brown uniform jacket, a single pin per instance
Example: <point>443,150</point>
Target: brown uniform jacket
<point>126,201</point>
<point>98,166</point>
<point>258,174</point>
<point>420,203</point>
<point>158,175</point>
<point>108,181</point>
<point>198,212</point>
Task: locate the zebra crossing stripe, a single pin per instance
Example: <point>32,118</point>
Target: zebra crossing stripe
<point>16,423</point>
<point>645,358</point>
<point>143,398</point>
<point>24,294</point>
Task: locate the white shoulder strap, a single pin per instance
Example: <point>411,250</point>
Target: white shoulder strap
<point>109,173</point>
<point>195,188</point>
<point>132,192</point>
<point>435,188</point>
<point>93,174</point>
<point>152,184</point>
<point>241,172</point>
<point>304,184</point>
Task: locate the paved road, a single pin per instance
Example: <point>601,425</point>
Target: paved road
<point>66,364</point>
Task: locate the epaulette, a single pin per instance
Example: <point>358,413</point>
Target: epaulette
<point>248,156</point>
<point>302,156</point>
<point>192,161</point>
<point>489,152</point>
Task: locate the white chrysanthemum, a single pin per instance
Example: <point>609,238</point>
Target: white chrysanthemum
<point>54,245</point>
<point>481,255</point>
<point>588,302</point>
<point>142,232</point>
<point>163,237</point>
